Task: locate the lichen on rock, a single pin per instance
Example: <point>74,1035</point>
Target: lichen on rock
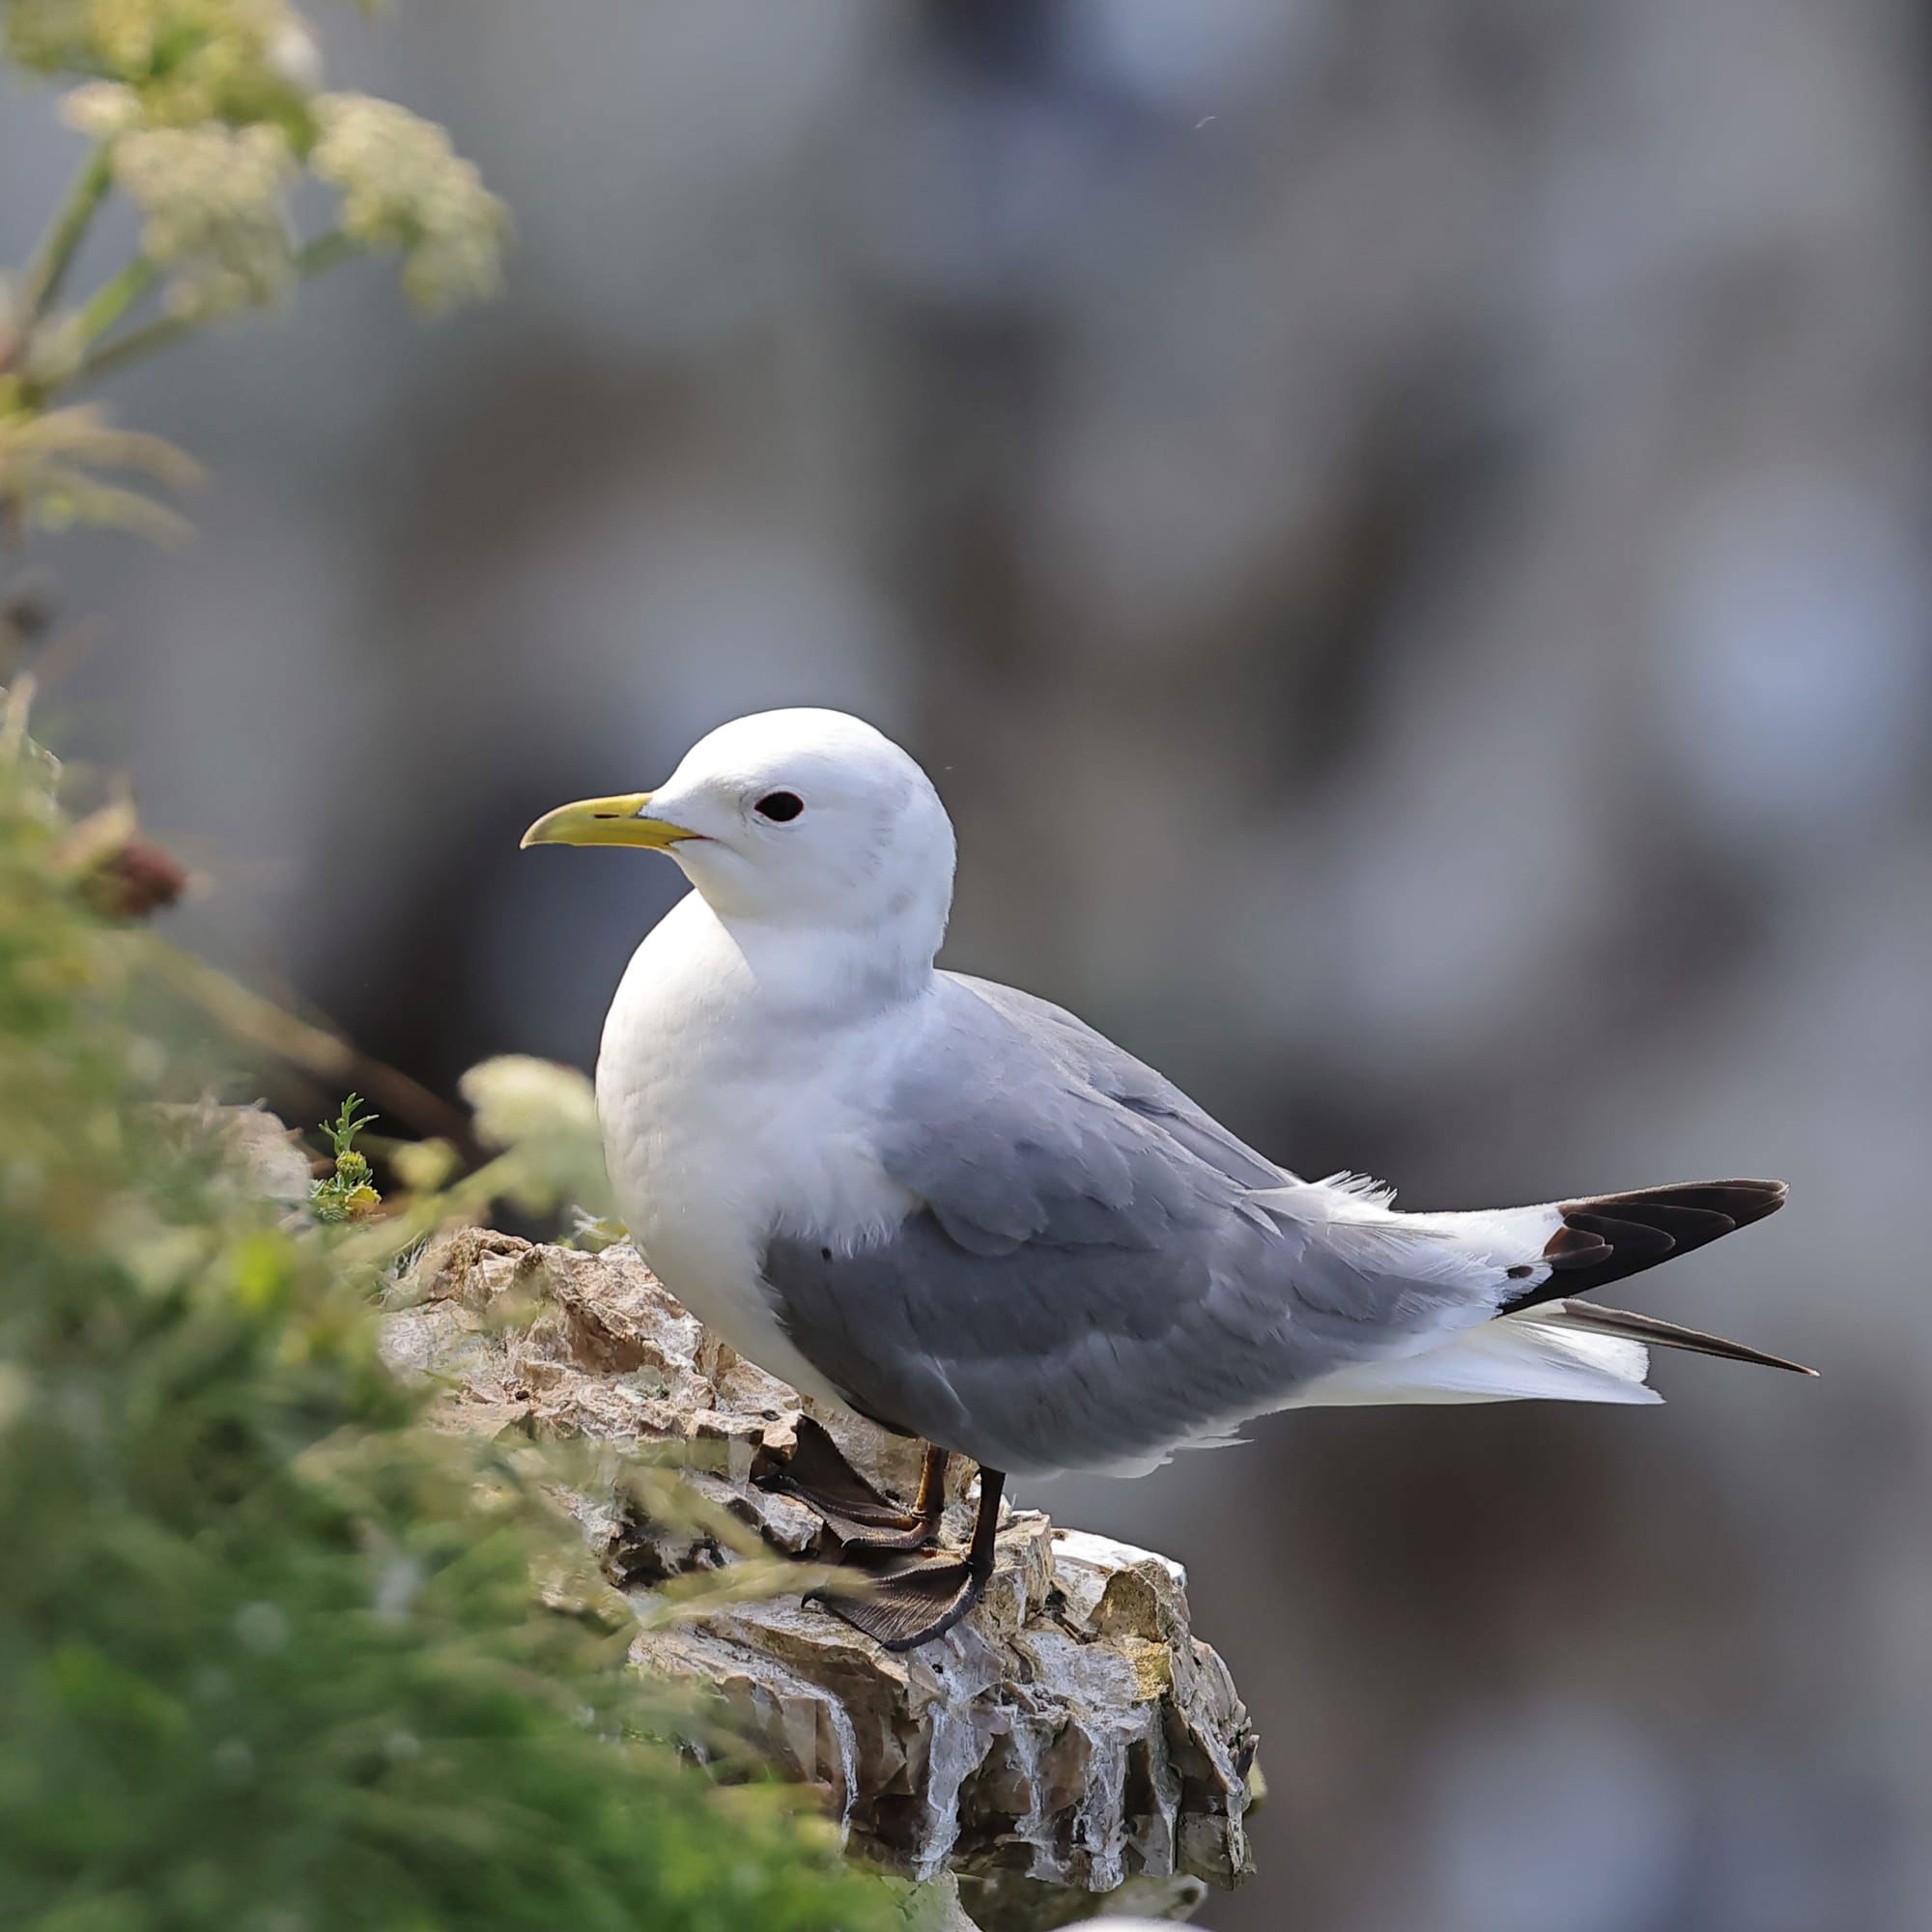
<point>1072,1733</point>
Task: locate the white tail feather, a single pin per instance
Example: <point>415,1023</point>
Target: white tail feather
<point>1519,1357</point>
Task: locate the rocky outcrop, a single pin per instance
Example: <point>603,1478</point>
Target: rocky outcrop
<point>1073,1735</point>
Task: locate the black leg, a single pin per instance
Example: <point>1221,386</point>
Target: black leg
<point>986,1524</point>
<point>916,1601</point>
<point>849,1505</point>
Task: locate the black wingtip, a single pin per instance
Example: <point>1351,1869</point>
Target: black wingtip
<point>1604,1237</point>
<point>1607,1236</point>
<point>1656,1334</point>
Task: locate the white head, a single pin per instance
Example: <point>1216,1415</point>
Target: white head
<point>802,819</point>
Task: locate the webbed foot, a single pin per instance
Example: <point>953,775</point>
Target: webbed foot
<point>857,1515</point>
<point>904,1607</point>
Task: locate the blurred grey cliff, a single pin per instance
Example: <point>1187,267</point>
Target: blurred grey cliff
<point>1400,533</point>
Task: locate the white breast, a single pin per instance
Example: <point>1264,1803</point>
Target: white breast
<point>722,1124</point>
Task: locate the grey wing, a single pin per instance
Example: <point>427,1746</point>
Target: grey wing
<point>1091,1057</point>
<point>1097,1271</point>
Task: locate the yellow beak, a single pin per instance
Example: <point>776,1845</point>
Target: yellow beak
<point>605,821</point>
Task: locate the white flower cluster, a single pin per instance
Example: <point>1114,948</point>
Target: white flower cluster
<point>545,1116</point>
<point>186,60</point>
<point>214,198</point>
<point>104,110</point>
<point>517,1097</point>
<point>404,187</point>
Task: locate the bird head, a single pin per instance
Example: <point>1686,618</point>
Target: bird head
<point>804,818</point>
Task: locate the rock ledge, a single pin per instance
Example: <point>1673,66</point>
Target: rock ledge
<point>1073,1733</point>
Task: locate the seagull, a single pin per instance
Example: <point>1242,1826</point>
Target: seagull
<point>955,1208</point>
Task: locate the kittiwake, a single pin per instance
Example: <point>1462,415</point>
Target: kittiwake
<point>957,1209</point>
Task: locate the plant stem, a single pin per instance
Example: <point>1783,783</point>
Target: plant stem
<point>54,257</point>
<point>323,1055</point>
<point>132,347</point>
<point>322,254</point>
<point>326,252</point>
<point>116,297</point>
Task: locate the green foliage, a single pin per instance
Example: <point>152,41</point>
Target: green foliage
<point>350,1192</point>
<point>274,1655</point>
<point>340,1133</point>
<point>61,462</point>
<point>271,1656</point>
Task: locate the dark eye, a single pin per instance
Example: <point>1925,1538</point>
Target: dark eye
<point>782,806</point>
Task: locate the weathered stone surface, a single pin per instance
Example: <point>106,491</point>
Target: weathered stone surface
<point>1072,1733</point>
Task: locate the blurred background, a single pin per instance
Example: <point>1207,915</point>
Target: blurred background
<point>1401,532</point>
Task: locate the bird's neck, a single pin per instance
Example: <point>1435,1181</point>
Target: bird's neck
<point>829,973</point>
